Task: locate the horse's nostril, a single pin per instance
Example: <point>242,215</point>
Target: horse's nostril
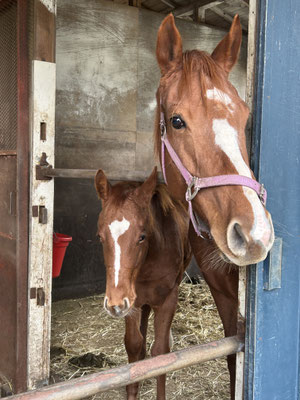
<point>118,310</point>
<point>237,241</point>
<point>240,237</point>
<point>126,304</point>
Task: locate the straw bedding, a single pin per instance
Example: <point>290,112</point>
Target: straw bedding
<point>86,340</point>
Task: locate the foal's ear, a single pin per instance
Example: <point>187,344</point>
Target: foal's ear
<point>168,45</point>
<point>227,51</point>
<point>146,190</point>
<point>102,185</point>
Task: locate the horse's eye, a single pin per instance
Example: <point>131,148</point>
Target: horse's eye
<point>142,238</point>
<point>177,122</point>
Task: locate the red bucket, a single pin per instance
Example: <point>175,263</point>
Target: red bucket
<point>60,244</point>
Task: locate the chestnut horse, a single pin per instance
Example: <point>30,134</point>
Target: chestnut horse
<point>144,234</point>
<point>204,119</point>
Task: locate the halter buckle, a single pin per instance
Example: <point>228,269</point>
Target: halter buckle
<point>163,128</point>
<point>192,190</point>
<point>262,192</point>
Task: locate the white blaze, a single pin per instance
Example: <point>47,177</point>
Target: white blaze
<point>218,95</point>
<point>118,228</point>
<point>226,138</point>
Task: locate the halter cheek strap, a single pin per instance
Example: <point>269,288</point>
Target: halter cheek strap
<point>195,184</point>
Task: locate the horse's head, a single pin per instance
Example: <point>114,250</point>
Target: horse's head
<point>124,228</point>
<point>205,123</point>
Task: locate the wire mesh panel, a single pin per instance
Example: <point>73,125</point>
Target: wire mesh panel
<point>8,75</point>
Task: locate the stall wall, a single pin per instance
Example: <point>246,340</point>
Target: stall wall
<point>107,77</point>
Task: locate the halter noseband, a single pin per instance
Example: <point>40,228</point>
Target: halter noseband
<point>195,184</point>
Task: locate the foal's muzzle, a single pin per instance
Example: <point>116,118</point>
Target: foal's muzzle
<point>117,310</point>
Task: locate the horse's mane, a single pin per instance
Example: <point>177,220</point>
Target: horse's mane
<point>171,207</point>
<point>176,210</point>
<point>208,71</point>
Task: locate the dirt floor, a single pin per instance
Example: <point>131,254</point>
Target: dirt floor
<point>82,328</point>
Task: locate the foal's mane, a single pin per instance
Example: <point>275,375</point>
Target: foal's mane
<point>208,72</point>
<point>170,207</point>
<point>161,203</point>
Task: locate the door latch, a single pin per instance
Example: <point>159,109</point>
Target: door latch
<point>40,212</point>
<point>39,295</point>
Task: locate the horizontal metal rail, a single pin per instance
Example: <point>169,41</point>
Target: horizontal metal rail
<point>117,377</point>
<point>50,172</point>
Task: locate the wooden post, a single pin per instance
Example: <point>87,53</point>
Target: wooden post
<point>41,194</point>
<point>240,359</point>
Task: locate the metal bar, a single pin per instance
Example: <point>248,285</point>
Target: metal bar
<point>90,174</point>
<point>117,377</point>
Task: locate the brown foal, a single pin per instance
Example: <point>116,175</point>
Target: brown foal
<point>206,122</point>
<point>144,234</point>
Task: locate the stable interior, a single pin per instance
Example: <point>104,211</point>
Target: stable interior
<point>105,103</point>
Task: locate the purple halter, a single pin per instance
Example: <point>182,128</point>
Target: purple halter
<point>195,184</point>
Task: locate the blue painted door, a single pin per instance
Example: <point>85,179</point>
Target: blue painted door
<point>272,343</point>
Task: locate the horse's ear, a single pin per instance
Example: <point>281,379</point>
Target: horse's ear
<point>227,51</point>
<point>168,45</point>
<point>146,190</point>
<point>102,185</point>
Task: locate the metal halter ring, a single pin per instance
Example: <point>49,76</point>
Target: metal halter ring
<point>192,190</point>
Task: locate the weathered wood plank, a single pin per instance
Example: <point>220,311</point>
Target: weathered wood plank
<point>190,7</point>
<point>240,359</point>
<point>8,295</point>
<point>40,244</point>
<point>44,35</point>
<point>252,35</point>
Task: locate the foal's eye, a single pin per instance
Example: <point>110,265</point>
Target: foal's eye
<point>177,122</point>
<point>142,238</point>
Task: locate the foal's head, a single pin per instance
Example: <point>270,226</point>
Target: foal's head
<point>124,227</point>
<point>206,122</point>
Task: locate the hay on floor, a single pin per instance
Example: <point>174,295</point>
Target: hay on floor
<point>86,340</point>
